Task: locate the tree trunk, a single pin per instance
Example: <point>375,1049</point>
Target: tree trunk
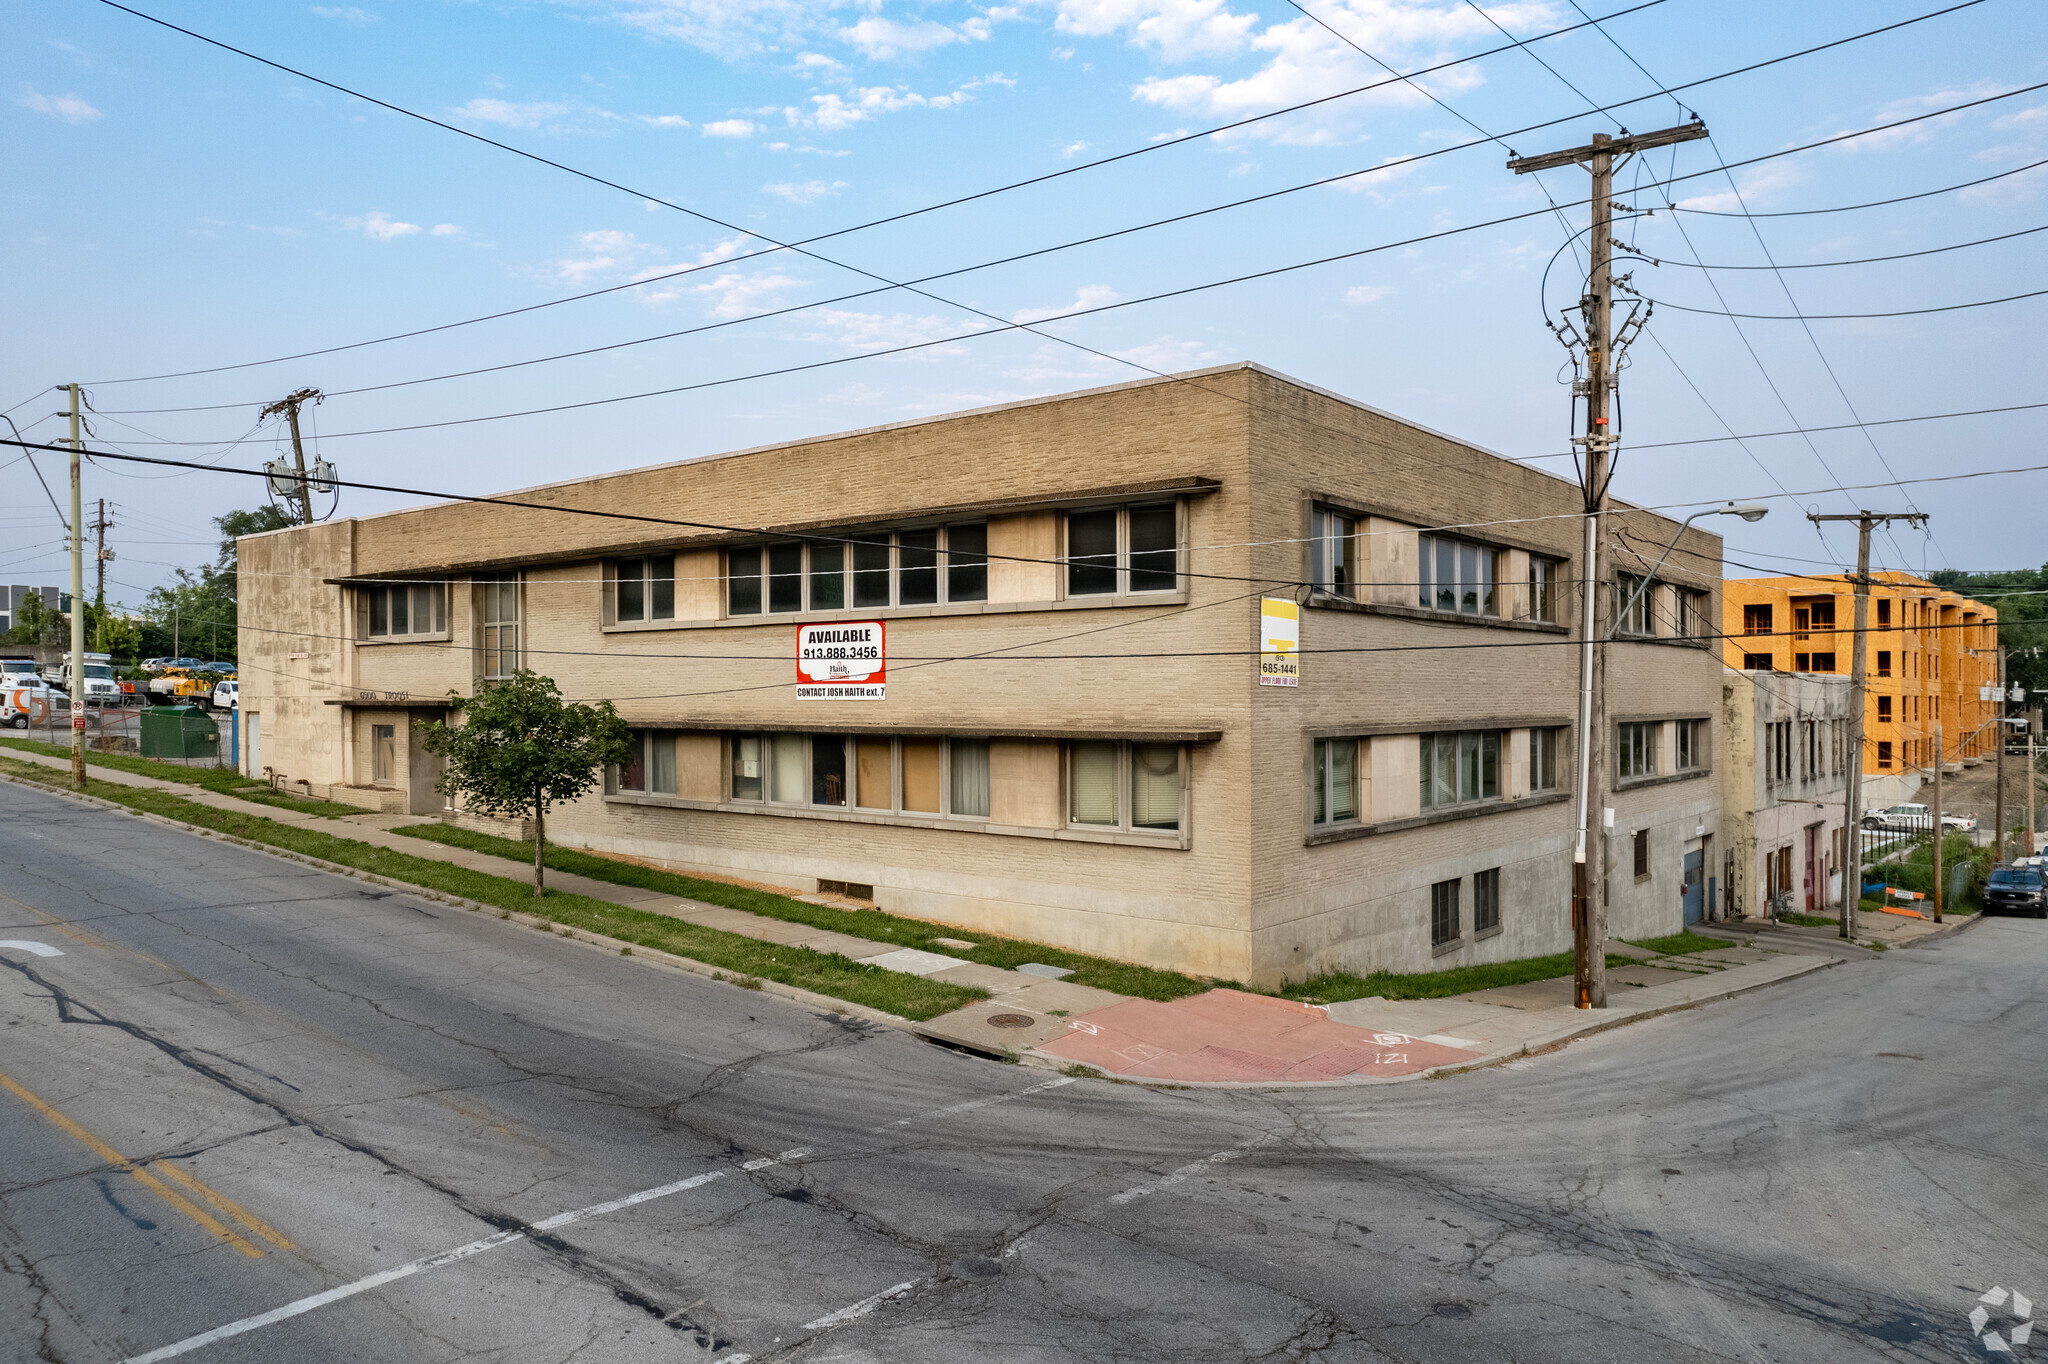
<point>540,842</point>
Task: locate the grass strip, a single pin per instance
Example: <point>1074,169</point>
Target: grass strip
<point>1343,985</point>
<point>1679,943</point>
<point>891,930</point>
<point>825,973</point>
<point>220,780</point>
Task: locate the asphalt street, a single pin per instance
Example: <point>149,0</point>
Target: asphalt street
<point>254,1111</point>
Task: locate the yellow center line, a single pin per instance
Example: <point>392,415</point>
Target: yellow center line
<point>142,1176</point>
<point>249,1220</point>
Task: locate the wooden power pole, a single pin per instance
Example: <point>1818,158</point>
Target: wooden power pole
<point>1852,795</point>
<point>302,489</point>
<point>1601,156</point>
<point>1936,896</point>
<point>101,554</point>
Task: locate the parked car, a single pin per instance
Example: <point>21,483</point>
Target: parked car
<point>224,669</point>
<point>2017,890</point>
<point>225,694</point>
<point>1913,817</point>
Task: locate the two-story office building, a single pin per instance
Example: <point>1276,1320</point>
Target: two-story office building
<point>1067,738</point>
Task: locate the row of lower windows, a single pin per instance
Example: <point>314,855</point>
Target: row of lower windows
<point>1109,785</point>
<point>1458,767</point>
<point>1445,910</point>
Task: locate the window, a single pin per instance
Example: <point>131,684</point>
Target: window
<point>868,569</point>
<point>1802,621</point>
<point>1802,663</point>
<point>498,624</point>
<point>1333,782</point>
<point>1635,750</point>
<point>1884,710</point>
<point>1756,662</point>
<point>1778,751</point>
<point>1460,767</point>
<point>400,609</point>
<point>1823,663</point>
<point>1823,614</point>
<point>383,753</point>
<point>1633,597</point>
<point>1486,901</point>
<point>1884,611</point>
<point>1121,550</point>
<point>650,764</point>
<point>1543,772</point>
<point>1443,913</point>
<point>1642,851</point>
<point>1333,550</point>
<point>1114,785</point>
<point>1693,607</point>
<point>1884,753</point>
<point>945,778</point>
<point>1546,589</point>
<point>1756,620</point>
<point>1884,662</point>
<point>1809,749</point>
<point>1456,575</point>
<point>1691,735</point>
<point>645,589</point>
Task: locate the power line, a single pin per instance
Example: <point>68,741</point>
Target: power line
<point>1965,4</point>
<point>1850,208</point>
<point>1830,317</point>
<point>1862,260</point>
<point>840,232</point>
<point>1803,430</point>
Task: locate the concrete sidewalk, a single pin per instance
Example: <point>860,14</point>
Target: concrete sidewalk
<point>1221,1037</point>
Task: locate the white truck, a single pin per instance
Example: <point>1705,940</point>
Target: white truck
<point>100,687</point>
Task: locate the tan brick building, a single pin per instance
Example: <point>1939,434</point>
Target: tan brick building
<point>1073,744</point>
<point>1931,652</point>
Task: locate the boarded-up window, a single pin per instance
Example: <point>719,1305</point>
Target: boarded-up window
<point>921,775</point>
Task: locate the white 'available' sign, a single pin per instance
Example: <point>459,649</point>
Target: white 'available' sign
<point>842,661</point>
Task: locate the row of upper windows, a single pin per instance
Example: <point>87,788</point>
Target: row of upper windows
<point>1454,576</point>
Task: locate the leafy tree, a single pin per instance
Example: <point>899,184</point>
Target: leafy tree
<point>521,748</point>
<point>39,622</point>
<point>196,611</point>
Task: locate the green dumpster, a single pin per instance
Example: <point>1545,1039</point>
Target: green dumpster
<point>179,732</point>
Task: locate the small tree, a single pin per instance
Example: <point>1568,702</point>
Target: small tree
<point>521,748</point>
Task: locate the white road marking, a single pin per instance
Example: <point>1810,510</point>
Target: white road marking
<point>973,1104</point>
<point>861,1308</point>
<point>40,949</point>
<point>446,1257</point>
<point>1172,1178</point>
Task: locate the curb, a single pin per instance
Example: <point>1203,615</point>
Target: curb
<point>652,956</point>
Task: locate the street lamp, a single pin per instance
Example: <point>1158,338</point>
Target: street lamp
<point>1748,511</point>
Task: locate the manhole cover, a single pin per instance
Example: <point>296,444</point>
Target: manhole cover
<point>1452,1309</point>
<point>1011,1021</point>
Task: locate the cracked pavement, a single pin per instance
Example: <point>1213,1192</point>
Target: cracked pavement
<point>1834,1169</point>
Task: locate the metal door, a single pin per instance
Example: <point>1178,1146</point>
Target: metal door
<point>1694,886</point>
<point>252,752</point>
<point>1813,882</point>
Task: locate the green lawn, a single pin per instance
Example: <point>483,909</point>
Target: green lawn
<point>889,930</point>
<point>1460,980</point>
<point>826,973</point>
<point>221,780</point>
<point>1679,943</point>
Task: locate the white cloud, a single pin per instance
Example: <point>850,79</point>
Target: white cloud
<point>1168,355</point>
<point>1913,133</point>
<point>859,331</point>
<point>818,61</point>
<point>725,28</point>
<point>2014,189</point>
<point>604,252</point>
<point>380,226</point>
<point>1759,188</point>
<point>446,230</point>
<point>1363,295</point>
<point>1087,296</point>
<point>2033,117</point>
<point>70,108</point>
<point>882,39</point>
<point>1176,29</point>
<point>345,14</point>
<point>831,111</point>
<point>512,115</point>
<point>665,120</point>
<point>809,192</point>
<point>1073,149</point>
<point>729,127</point>
<point>732,293</point>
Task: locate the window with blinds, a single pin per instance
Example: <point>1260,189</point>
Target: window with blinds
<point>650,764</point>
<point>1460,767</point>
<point>1116,785</point>
<point>927,777</point>
<point>862,570</point>
<point>644,589</point>
<point>1456,575</point>
<point>1333,782</point>
<point>397,610</point>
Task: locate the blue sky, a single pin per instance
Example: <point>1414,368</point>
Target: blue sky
<point>170,206</point>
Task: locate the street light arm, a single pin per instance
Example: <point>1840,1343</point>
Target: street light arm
<point>1650,578</point>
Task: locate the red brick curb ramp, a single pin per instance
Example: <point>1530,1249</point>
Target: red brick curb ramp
<point>1230,1037</point>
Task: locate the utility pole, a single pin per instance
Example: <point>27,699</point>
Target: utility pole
<point>77,592</point>
<point>1998,781</point>
<point>1852,795</point>
<point>1936,897</point>
<point>289,405</point>
<point>101,554</point>
<point>1589,851</point>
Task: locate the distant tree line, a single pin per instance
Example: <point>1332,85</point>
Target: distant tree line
<point>2022,618</point>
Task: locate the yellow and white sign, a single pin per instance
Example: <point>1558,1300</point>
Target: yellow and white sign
<point>1279,643</point>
